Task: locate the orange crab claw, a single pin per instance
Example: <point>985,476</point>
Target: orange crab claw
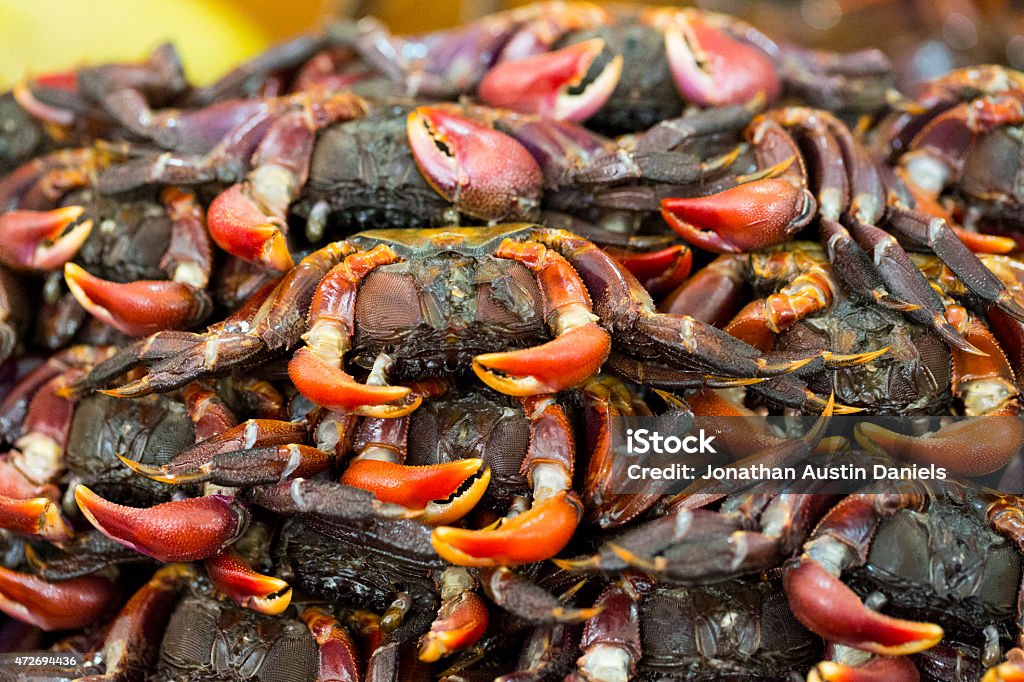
<point>247,588</point>
<point>486,174</point>
<point>712,69</point>
<point>979,242</point>
<point>750,216</point>
<point>970,447</point>
<point>833,611</point>
<point>534,535</point>
<point>239,227</point>
<point>32,240</point>
<point>180,530</point>
<point>137,308</point>
<point>544,84</point>
<point>64,605</point>
<point>39,516</point>
<point>561,363</point>
<point>332,387</point>
<point>460,623</point>
<point>420,487</point>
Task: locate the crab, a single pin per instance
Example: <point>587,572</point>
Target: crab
<point>851,199</point>
<point>858,539</point>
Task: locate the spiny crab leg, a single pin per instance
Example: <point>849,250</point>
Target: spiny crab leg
<point>542,531</point>
<point>35,240</point>
<point>524,598</point>
<point>543,84</point>
<point>232,576</point>
<point>830,609</point>
<point>180,530</point>
<point>317,368</point>
<point>252,466</point>
<point>197,463</point>
<point>580,346</point>
<point>64,605</point>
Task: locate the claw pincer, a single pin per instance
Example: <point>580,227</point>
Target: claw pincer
<point>180,530</point>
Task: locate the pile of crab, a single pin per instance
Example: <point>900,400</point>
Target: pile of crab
<point>315,372</point>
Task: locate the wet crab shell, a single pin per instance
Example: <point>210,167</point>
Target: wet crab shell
<point>913,376</point>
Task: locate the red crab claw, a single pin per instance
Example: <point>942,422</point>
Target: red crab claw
<point>544,84</point>
<point>550,367</point>
<point>534,535</point>
<point>433,488</point>
<point>712,69</point>
<point>750,216</point>
<point>137,308</point>
<point>830,609</point>
<point>460,623</point>
<point>32,240</point>
<point>240,227</point>
<point>180,530</point>
<point>659,271</point>
<point>970,447</point>
<point>39,516</point>
<point>64,605</point>
<point>482,172</point>
<point>332,387</point>
<point>247,588</point>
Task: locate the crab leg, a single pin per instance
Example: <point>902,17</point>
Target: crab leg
<point>712,295</point>
<point>39,517</point>
<point>132,642</point>
<point>516,594</point>
<point>605,400</point>
<point>339,655</point>
<point>829,608</point>
<point>544,529</point>
<point>181,530</point>
<point>580,346</point>
<point>248,220</point>
<point>274,322</point>
<point>611,644</point>
<point>317,369</point>
<point>623,305</point>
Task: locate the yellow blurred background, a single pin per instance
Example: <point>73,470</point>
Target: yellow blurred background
<point>39,36</point>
